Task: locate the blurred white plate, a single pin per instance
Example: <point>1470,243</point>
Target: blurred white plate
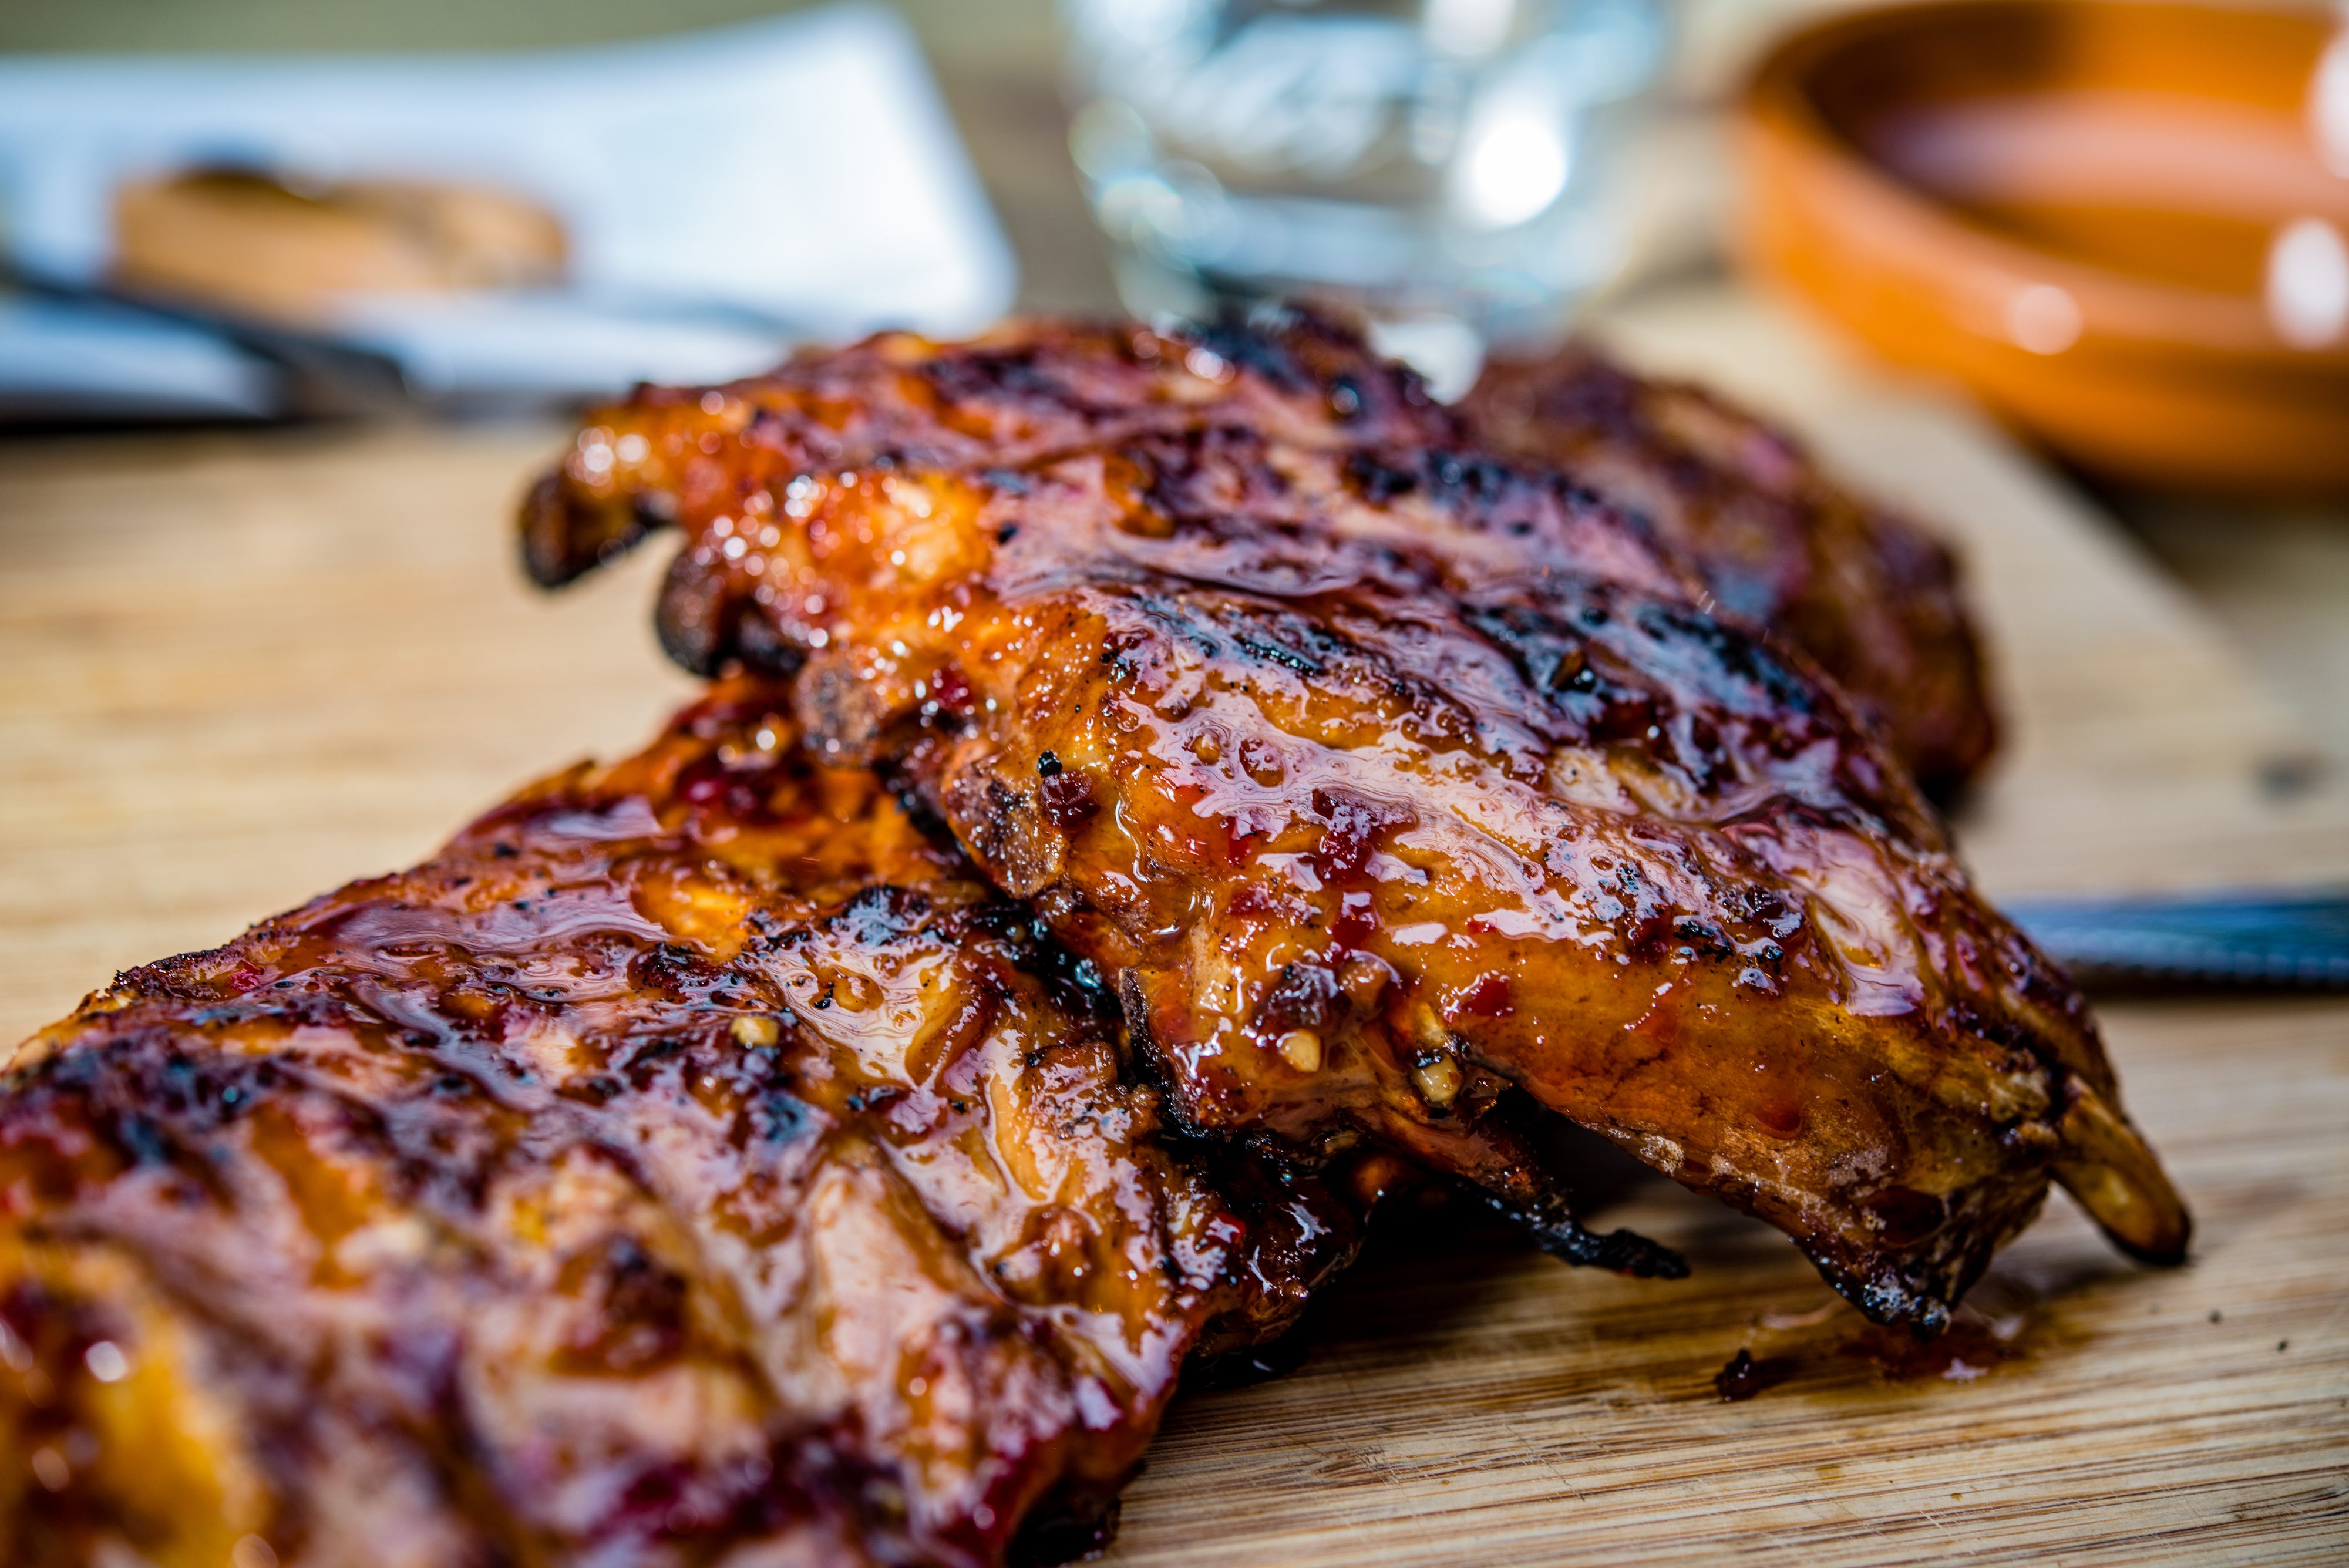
<point>723,193</point>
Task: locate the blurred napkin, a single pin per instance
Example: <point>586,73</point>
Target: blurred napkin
<point>723,193</point>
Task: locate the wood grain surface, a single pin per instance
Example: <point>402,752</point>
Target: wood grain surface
<point>1486,1405</point>
<point>235,670</point>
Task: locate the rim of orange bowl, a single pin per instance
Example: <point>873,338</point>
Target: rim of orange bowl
<point>1987,279</point>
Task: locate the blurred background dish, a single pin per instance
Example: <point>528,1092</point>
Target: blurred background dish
<point>505,228</point>
<point>2122,225</point>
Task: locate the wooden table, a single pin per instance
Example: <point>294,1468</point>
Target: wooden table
<point>242,669</point>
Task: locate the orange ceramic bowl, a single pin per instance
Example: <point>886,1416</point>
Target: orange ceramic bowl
<point>2124,226</point>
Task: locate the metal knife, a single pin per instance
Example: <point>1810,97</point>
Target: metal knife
<point>2293,939</point>
<point>319,375</point>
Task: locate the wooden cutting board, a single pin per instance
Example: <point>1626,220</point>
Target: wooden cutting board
<point>237,669</point>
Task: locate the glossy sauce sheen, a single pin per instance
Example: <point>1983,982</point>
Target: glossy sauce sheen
<point>1870,595</point>
<point>1386,780</point>
<point>690,1165</point>
<point>1873,599</point>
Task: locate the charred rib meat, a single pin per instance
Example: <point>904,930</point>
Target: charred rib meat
<point>1389,782</point>
<point>690,1165</point>
<point>1867,593</point>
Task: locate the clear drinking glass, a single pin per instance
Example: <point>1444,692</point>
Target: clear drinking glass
<point>1446,166</point>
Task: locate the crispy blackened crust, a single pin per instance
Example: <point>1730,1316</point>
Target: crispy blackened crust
<point>1865,591</point>
<point>1004,401</point>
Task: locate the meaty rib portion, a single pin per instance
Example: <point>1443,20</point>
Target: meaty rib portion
<point>1020,395</point>
<point>1388,781</point>
<point>689,1164</point>
<point>1869,595</point>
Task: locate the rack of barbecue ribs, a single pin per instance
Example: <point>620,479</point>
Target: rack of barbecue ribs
<point>691,1164</point>
<point>1160,793</point>
<point>1861,590</point>
<point>1401,793</point>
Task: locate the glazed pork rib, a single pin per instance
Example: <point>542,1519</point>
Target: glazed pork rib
<point>1393,786</point>
<point>690,1165</point>
<point>1867,593</point>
